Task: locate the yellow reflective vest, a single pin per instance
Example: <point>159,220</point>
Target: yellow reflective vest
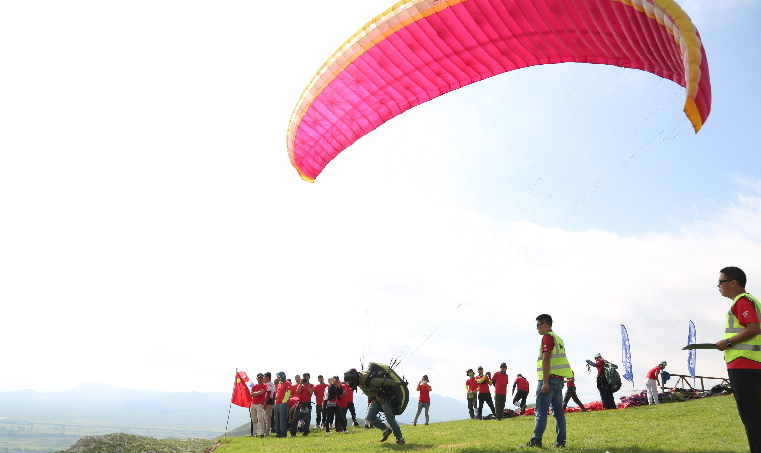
<point>559,365</point>
<point>750,349</point>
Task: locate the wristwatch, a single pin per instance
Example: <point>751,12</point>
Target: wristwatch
<point>729,343</point>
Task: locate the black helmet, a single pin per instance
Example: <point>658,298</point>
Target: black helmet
<point>351,377</point>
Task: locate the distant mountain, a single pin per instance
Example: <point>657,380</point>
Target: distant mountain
<point>54,421</point>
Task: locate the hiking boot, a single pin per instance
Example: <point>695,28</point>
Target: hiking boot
<point>386,433</point>
<point>531,443</point>
<point>356,424</point>
<point>414,423</point>
<point>559,445</point>
<point>400,441</point>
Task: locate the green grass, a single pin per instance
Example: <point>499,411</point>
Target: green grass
<point>709,425</point>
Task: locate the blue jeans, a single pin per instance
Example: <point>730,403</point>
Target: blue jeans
<point>552,398</point>
<point>420,407</point>
<point>372,417</point>
<point>281,420</point>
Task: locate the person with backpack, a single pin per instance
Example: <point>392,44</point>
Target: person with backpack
<point>552,369</point>
<point>652,383</point>
<point>374,384</point>
<point>603,386</point>
<point>742,351</point>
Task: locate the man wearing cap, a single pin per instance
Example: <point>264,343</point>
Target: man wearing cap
<point>500,389</point>
<point>606,393</point>
<point>472,387</point>
<point>424,401</point>
<point>258,395</point>
<point>372,385</point>
<point>282,395</point>
<point>652,383</point>
<point>520,396</point>
<point>484,393</point>
<point>742,351</point>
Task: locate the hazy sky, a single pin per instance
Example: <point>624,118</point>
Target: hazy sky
<point>154,234</point>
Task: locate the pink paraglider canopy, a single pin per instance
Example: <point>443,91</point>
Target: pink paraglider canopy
<point>420,49</point>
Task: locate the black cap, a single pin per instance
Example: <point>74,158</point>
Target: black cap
<point>503,364</point>
<point>259,375</point>
<point>480,368</point>
<point>425,376</point>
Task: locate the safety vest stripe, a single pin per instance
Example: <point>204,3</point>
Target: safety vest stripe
<point>747,347</point>
<point>733,330</point>
<point>553,356</point>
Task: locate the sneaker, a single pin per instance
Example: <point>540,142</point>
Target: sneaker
<point>426,424</point>
<point>559,445</point>
<point>356,424</point>
<point>345,432</point>
<point>386,433</point>
<point>530,444</point>
<point>414,423</point>
<point>400,441</point>
<point>328,432</point>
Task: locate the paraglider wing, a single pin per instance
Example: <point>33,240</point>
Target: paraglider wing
<point>420,49</point>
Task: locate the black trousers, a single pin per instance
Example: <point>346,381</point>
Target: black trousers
<point>606,396</point>
<point>318,414</point>
<point>746,385</point>
<point>520,397</point>
<point>353,412</point>
<point>499,403</point>
<point>298,415</point>
<point>485,398</point>
<point>570,393</point>
<point>472,404</point>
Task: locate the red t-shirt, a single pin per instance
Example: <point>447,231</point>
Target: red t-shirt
<point>280,391</point>
<point>653,374</point>
<point>472,384</point>
<point>303,393</point>
<point>319,393</point>
<point>424,396</point>
<point>342,402</point>
<point>522,383</point>
<point>600,367</point>
<point>745,311</point>
<point>261,399</point>
<point>349,394</point>
<point>483,387</point>
<point>571,383</point>
<point>500,383</point>
<point>292,401</point>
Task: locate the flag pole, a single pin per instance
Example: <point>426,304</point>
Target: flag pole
<point>231,403</point>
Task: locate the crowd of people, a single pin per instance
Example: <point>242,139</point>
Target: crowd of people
<point>283,405</point>
<point>292,401</point>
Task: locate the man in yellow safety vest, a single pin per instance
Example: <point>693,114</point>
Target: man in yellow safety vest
<point>742,351</point>
<point>552,369</point>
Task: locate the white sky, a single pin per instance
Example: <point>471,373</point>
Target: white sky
<point>155,236</point>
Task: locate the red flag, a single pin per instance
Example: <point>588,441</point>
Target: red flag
<point>241,392</point>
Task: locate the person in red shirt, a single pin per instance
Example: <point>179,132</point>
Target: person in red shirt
<point>259,396</point>
<point>500,381</point>
<point>319,393</point>
<point>742,351</point>
<point>424,401</point>
<point>350,405</point>
<point>343,407</point>
<point>570,393</point>
<point>606,393</point>
<point>652,383</point>
<point>484,393</point>
<point>520,396</point>
<point>472,387</point>
<point>282,395</point>
<point>303,391</point>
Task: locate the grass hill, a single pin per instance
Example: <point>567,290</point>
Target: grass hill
<point>709,425</point>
